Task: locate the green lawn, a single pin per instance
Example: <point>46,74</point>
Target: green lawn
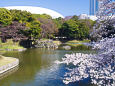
<point>6,60</point>
<point>57,42</point>
<point>77,44</point>
<point>78,41</point>
<point>10,45</point>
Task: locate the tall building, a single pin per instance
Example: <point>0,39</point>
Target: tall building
<point>93,7</point>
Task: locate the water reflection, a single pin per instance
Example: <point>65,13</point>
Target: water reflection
<point>37,68</point>
<point>9,72</point>
<point>32,63</point>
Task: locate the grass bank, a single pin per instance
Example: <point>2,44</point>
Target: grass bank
<point>78,41</point>
<point>7,63</point>
<point>57,42</point>
<point>9,45</point>
<point>6,60</point>
<point>76,45</point>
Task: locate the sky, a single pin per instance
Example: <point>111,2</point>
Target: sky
<point>64,7</point>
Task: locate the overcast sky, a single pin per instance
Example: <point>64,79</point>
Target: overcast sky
<point>64,7</point>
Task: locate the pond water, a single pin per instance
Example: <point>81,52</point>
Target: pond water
<point>37,68</point>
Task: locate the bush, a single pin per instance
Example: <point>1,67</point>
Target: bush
<point>5,17</point>
<point>74,30</point>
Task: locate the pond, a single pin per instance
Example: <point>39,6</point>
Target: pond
<point>37,68</point>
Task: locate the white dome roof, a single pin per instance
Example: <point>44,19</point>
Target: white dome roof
<point>36,10</point>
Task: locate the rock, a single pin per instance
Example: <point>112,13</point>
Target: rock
<point>67,47</point>
<point>45,44</point>
<point>11,63</point>
<point>19,49</point>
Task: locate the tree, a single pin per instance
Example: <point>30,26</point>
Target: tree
<point>5,17</point>
<point>34,30</point>
<point>74,30</point>
<point>104,26</point>
<point>24,25</point>
<point>44,16</point>
<point>58,21</point>
<point>33,25</point>
<point>22,16</point>
<point>89,23</point>
<point>13,31</point>
<point>49,28</point>
<point>75,18</point>
<point>98,68</point>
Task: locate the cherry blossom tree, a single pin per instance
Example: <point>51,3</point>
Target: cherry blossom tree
<point>105,25</point>
<point>100,67</point>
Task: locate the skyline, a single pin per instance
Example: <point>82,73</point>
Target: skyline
<point>64,7</point>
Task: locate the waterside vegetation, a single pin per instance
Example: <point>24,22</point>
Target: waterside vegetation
<point>27,29</point>
<point>99,68</point>
<point>10,45</point>
<point>21,29</point>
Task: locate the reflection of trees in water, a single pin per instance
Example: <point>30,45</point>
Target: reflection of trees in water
<point>8,73</point>
<point>31,62</point>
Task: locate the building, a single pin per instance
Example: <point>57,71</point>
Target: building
<point>93,7</point>
<point>85,16</point>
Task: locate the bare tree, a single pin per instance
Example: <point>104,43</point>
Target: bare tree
<point>48,28</point>
<point>13,31</point>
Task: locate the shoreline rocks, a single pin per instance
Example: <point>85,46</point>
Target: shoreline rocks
<point>66,47</point>
<point>13,49</point>
<point>46,44</point>
<point>9,65</point>
<point>9,72</point>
